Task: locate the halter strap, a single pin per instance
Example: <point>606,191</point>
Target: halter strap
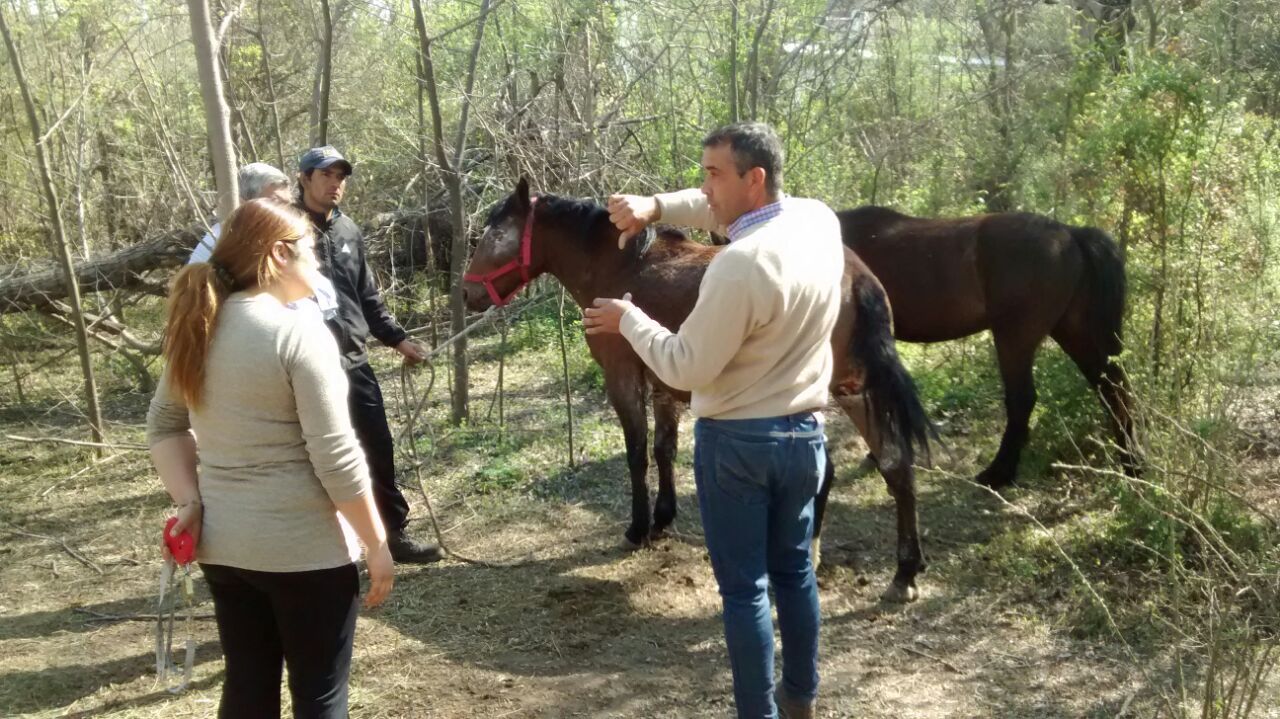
<point>521,263</point>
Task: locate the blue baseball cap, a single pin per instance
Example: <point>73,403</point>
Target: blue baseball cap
<point>318,158</point>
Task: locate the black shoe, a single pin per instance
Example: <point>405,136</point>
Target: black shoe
<point>407,550</point>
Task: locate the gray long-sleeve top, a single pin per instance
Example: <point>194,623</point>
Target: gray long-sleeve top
<point>274,439</point>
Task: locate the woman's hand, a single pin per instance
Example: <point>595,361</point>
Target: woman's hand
<point>382,572</point>
<point>190,518</point>
<point>362,514</point>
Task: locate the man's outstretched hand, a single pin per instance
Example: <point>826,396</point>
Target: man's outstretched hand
<point>606,314</point>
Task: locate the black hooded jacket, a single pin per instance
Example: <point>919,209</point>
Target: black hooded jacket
<point>340,250</point>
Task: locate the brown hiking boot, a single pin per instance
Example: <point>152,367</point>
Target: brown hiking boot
<point>789,708</point>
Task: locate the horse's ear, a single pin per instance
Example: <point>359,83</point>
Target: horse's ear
<point>522,194</point>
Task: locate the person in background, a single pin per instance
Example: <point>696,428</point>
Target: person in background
<point>260,180</point>
<point>322,181</point>
<point>282,492</point>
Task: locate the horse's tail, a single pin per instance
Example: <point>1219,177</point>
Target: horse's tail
<point>1105,270</point>
<point>895,404</point>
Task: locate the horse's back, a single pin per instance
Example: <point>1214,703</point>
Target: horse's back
<point>1031,267</point>
<point>928,267</point>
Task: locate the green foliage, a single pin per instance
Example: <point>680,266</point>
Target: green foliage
<point>501,474</point>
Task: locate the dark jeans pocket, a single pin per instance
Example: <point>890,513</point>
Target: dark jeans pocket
<point>812,465</point>
<point>742,467</point>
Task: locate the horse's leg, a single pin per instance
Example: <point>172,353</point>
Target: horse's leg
<point>666,435</point>
<point>1119,402</point>
<point>625,385</point>
<point>820,510</point>
<point>1110,381</point>
<point>1015,351</point>
<point>901,482</point>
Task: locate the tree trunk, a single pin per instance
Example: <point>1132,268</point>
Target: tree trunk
<point>453,182</point>
<point>326,76</point>
<point>428,242</point>
<point>216,114</point>
<point>998,24</point>
<point>733,63</point>
<point>586,143</point>
<point>242,134</point>
<point>458,260</point>
<point>271,90</point>
<point>86,68</point>
<point>753,63</point>
<point>111,204</point>
<point>58,240</point>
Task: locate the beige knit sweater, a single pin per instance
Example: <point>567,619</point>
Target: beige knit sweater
<point>274,438</point>
<point>757,343</point>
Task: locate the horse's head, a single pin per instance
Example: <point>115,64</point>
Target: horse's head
<point>503,261</point>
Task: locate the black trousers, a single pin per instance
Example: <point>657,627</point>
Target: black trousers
<point>306,620</point>
<point>369,418</point>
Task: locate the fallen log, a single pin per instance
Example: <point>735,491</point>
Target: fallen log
<point>127,269</point>
<point>146,266</point>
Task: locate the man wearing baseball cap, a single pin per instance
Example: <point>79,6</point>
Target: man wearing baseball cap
<point>322,180</point>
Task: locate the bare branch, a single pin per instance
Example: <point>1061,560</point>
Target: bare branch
<point>77,442</point>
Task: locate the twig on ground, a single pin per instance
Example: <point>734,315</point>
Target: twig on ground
<point>1124,708</point>
<point>86,468</point>
<point>946,664</point>
<point>66,547</point>
<point>79,443</point>
<point>102,617</point>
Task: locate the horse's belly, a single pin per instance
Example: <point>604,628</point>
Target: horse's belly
<point>925,335</point>
<point>935,315</point>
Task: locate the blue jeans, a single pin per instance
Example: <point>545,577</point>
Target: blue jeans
<point>756,482</point>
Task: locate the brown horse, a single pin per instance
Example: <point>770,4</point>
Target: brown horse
<point>1020,275</point>
<point>574,241</point>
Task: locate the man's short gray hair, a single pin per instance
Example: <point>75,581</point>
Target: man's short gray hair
<point>754,144</point>
<point>256,177</point>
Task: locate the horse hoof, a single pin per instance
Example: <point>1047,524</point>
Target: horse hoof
<point>657,533</point>
<point>993,479</point>
<point>663,517</point>
<point>627,545</point>
<point>866,466</point>
<point>900,594</point>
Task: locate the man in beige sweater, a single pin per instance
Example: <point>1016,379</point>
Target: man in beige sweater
<point>755,354</point>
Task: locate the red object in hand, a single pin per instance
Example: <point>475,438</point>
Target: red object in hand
<point>183,546</point>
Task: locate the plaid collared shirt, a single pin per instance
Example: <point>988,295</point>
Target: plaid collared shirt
<point>753,218</point>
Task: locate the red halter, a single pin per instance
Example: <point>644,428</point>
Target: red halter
<point>521,263</point>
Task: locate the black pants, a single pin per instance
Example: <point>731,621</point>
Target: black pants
<point>306,619</point>
<point>369,417</point>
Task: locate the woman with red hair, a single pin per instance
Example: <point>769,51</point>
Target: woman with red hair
<point>282,493</point>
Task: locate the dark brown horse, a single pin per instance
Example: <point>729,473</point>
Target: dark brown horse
<point>1022,276</point>
<point>574,241</point>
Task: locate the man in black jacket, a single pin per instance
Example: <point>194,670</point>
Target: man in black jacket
<point>322,178</point>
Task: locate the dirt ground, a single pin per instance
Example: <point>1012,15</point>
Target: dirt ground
<point>580,628</point>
